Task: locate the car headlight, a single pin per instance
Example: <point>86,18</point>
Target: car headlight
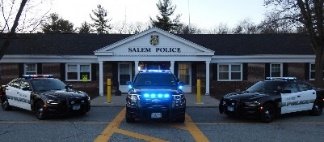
<point>252,104</point>
<point>52,102</point>
<point>133,97</point>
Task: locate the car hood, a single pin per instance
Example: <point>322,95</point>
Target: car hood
<point>63,94</point>
<point>241,96</point>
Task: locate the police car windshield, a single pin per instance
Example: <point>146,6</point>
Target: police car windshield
<point>155,79</point>
<point>266,87</point>
<point>42,85</point>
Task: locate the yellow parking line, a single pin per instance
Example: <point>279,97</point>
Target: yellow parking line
<point>139,136</point>
<point>111,128</point>
<point>194,130</point>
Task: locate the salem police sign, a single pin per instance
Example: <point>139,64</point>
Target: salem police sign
<point>156,50</point>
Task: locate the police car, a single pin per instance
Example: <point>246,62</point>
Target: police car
<point>155,95</point>
<point>272,97</point>
<point>44,95</point>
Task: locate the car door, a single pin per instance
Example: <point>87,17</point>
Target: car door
<point>11,92</point>
<point>24,95</point>
<point>307,96</point>
<point>290,97</point>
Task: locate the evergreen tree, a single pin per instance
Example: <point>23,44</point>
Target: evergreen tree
<point>57,25</point>
<point>101,23</point>
<point>85,28</point>
<point>163,21</point>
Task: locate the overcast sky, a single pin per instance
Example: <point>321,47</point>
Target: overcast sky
<point>205,14</point>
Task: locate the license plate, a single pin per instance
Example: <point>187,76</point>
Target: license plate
<point>156,115</point>
<point>230,108</point>
<point>76,107</point>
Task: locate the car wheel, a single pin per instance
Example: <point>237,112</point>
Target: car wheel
<point>181,119</point>
<point>267,115</point>
<point>129,118</point>
<point>317,109</point>
<point>39,110</point>
<point>5,104</point>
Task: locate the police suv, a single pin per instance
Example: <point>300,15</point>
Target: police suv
<point>273,97</point>
<point>155,95</point>
<point>44,95</point>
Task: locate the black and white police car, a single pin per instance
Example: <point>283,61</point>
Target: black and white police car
<point>272,97</point>
<point>155,95</point>
<point>44,95</point>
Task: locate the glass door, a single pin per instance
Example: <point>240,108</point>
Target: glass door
<point>124,75</point>
<point>184,75</point>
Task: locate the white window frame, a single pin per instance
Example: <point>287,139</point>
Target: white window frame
<point>78,72</point>
<point>230,72</point>
<point>281,69</point>
<point>310,71</point>
<point>129,70</point>
<point>25,68</point>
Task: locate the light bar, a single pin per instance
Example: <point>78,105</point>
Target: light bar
<point>38,76</point>
<point>281,78</point>
<point>156,95</point>
<point>155,71</point>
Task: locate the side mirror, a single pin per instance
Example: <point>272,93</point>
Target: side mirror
<point>286,91</point>
<point>68,86</point>
<point>26,89</point>
<point>180,85</point>
<point>130,84</point>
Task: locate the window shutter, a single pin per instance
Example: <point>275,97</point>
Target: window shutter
<point>245,71</point>
<point>62,71</point>
<point>194,74</point>
<point>307,71</point>
<point>285,69</point>
<point>267,70</point>
<point>94,71</point>
<point>21,69</point>
<point>176,69</point>
<point>214,66</point>
<point>39,68</point>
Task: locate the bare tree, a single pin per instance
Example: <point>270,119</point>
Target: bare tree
<point>245,27</point>
<point>220,29</point>
<point>309,13</point>
<point>12,32</point>
<point>32,16</point>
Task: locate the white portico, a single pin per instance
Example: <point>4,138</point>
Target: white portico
<point>156,49</point>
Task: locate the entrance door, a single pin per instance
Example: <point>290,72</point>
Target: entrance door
<point>184,75</point>
<point>124,75</point>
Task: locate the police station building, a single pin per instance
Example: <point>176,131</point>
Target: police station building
<point>223,62</point>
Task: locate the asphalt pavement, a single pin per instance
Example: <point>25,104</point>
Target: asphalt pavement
<point>192,101</point>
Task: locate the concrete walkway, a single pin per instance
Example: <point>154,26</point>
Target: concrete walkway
<point>206,101</point>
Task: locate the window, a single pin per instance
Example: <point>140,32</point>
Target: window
<point>78,72</point>
<point>30,69</point>
<point>230,72</point>
<point>184,73</point>
<point>312,72</point>
<point>124,73</point>
<point>275,70</point>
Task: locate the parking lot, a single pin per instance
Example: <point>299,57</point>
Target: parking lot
<point>107,123</point>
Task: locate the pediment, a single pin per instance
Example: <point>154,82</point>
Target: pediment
<point>154,42</point>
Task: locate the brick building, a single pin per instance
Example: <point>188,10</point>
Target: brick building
<point>224,63</point>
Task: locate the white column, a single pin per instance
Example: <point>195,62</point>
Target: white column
<point>172,66</point>
<point>136,67</point>
<point>207,77</point>
<point>101,77</point>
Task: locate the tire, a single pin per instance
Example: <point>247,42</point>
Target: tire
<point>129,118</point>
<point>181,119</point>
<point>5,104</point>
<point>268,113</point>
<point>317,109</point>
<point>39,110</point>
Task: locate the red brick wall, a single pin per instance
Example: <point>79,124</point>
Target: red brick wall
<point>8,72</point>
<point>296,70</point>
<point>51,68</point>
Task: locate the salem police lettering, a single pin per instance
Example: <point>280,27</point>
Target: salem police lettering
<point>139,49</point>
<point>168,50</point>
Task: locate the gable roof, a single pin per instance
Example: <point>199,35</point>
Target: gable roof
<point>224,44</point>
